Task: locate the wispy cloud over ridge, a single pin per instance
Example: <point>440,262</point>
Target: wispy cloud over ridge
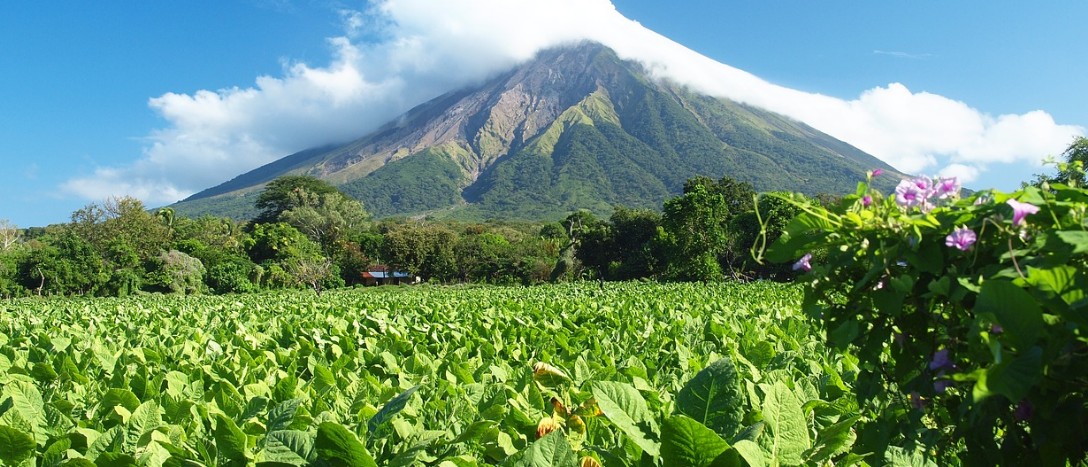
<point>417,49</point>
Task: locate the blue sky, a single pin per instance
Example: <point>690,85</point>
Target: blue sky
<point>161,99</point>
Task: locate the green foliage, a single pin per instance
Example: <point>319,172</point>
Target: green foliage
<point>424,250</point>
<point>417,183</point>
<point>232,275</point>
<point>282,194</point>
<point>10,259</point>
<point>423,375</point>
<point>696,227</point>
<point>278,242</point>
<point>965,314</point>
<point>328,219</point>
<point>63,264</point>
<point>177,272</point>
<point>122,230</point>
<point>713,398</point>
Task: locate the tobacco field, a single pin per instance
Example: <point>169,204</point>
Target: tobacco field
<point>570,374</point>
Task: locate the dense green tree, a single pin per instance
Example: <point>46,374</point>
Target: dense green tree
<point>10,259</point>
<point>281,195</point>
<point>278,242</point>
<point>177,272</point>
<point>328,219</point>
<point>695,225</point>
<point>738,195</point>
<point>423,250</point>
<point>123,230</point>
<point>217,233</point>
<point>483,257</point>
<point>63,263</point>
<point>636,253</point>
<point>282,252</point>
<point>233,275</point>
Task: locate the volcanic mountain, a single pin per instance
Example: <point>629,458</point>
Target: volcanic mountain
<point>574,128</point>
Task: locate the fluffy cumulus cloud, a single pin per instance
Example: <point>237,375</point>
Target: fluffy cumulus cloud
<point>399,53</point>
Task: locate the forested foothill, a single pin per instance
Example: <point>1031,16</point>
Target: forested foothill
<point>310,235</point>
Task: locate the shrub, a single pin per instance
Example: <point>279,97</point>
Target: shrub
<point>968,316</point>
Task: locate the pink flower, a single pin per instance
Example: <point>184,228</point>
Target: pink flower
<point>925,185</point>
<point>1021,210</point>
<point>961,238</point>
<point>803,263</point>
<point>947,187</point>
<point>866,200</point>
<point>877,172</point>
<point>907,194</point>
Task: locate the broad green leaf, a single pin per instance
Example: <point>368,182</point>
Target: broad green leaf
<point>55,453</point>
<point>1017,312</point>
<point>108,441</point>
<point>229,400</point>
<point>115,459</point>
<point>281,416</point>
<point>146,417</point>
<point>624,406</point>
<point>15,446</point>
<point>750,452</point>
<point>324,381</point>
<point>476,431</point>
<point>339,446</point>
<point>685,441</point>
<point>153,455</point>
<point>177,383</point>
<point>899,457</point>
<point>24,398</point>
<point>833,440</point>
<point>785,418</point>
<point>230,440</point>
<point>713,397</point>
<point>552,450</point>
<point>1059,282</point>
<point>1012,378</point>
<point>289,447</point>
<point>391,408</point>
<point>118,397</point>
<point>1078,239</point>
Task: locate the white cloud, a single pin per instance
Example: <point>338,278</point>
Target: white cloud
<point>417,49</point>
<point>965,173</point>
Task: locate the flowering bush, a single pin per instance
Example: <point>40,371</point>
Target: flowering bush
<point>967,316</point>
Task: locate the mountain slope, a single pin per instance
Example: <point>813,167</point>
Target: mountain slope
<point>575,128</point>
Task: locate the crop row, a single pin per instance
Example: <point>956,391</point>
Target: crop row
<point>621,374</point>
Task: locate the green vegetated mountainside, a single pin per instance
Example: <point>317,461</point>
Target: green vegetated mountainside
<point>575,128</point>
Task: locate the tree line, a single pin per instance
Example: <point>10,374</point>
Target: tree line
<point>311,235</point>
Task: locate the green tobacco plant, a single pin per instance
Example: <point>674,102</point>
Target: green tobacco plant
<point>967,316</point>
<point>635,374</point>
